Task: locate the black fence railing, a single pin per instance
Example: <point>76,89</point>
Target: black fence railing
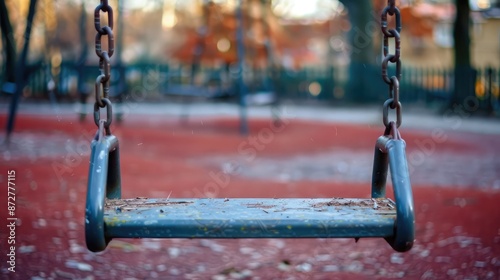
<point>430,87</point>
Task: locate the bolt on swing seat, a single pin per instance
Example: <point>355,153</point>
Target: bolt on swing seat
<point>109,216</point>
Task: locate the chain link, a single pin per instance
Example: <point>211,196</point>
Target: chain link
<point>109,114</point>
<point>102,81</point>
<point>389,103</point>
<point>105,7</point>
<point>393,81</point>
<point>394,91</point>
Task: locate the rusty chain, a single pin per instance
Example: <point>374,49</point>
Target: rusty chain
<point>102,81</point>
<point>393,82</point>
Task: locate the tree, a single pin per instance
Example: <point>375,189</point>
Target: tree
<point>20,68</point>
<point>9,44</point>
<point>464,74</point>
<point>362,52</point>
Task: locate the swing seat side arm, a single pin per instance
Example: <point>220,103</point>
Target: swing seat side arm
<point>390,153</point>
<point>104,182</point>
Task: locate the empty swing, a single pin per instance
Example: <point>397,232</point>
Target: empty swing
<point>109,216</point>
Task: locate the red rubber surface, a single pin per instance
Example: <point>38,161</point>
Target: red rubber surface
<point>458,228</point>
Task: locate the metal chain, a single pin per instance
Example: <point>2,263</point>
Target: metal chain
<point>393,81</point>
<point>102,81</point>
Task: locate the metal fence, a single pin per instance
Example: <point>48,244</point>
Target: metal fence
<point>430,87</point>
<point>435,87</point>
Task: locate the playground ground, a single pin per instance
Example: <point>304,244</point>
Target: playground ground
<point>316,152</point>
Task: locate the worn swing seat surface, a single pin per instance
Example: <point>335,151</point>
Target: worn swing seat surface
<point>249,218</point>
<point>109,216</point>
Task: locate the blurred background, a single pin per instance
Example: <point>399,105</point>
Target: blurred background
<point>323,51</point>
<point>302,80</point>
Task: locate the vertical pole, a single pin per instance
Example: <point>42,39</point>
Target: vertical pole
<point>433,81</point>
<point>122,83</point>
<point>478,81</point>
<point>407,84</point>
<point>418,84</point>
<point>489,79</point>
<point>80,64</point>
<point>270,75</point>
<point>20,69</point>
<point>497,102</point>
<point>330,80</point>
<point>241,61</point>
<point>428,86</point>
<point>119,35</point>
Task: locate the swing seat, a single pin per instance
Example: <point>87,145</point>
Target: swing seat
<point>109,216</point>
<point>249,218</point>
<point>192,90</point>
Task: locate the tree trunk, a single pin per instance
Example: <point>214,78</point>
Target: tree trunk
<point>82,58</point>
<point>20,76</point>
<point>362,54</point>
<point>9,44</point>
<point>464,74</point>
